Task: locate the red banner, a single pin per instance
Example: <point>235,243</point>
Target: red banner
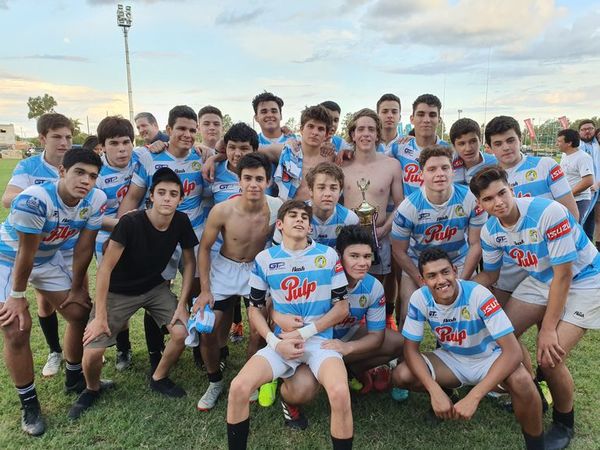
<point>530,129</point>
<point>564,122</point>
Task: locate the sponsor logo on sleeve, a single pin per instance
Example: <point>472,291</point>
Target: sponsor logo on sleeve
<point>338,267</point>
<point>556,173</point>
<point>382,301</point>
<point>558,230</point>
<point>490,307</point>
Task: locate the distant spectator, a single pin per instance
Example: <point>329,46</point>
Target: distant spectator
<point>92,143</point>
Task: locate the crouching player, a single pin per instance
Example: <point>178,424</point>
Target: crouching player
<point>307,280</point>
<point>129,278</point>
<point>478,348</point>
<point>363,346</point>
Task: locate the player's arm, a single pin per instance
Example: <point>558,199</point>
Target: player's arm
<point>99,325</point>
<point>568,201</point>
<point>586,182</point>
<point>397,194</point>
<point>10,193</point>
<point>16,308</point>
<point>501,369</point>
<point>109,223</point>
<point>208,168</point>
<point>492,260</point>
<point>272,152</point>
<point>474,252</point>
<point>400,252</point>
<point>487,278</point>
<point>214,223</point>
<point>189,272</point>
<point>82,256</point>
<point>368,343</point>
<point>133,198</point>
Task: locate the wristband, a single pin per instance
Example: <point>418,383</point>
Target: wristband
<point>308,331</point>
<point>272,340</point>
<point>17,294</point>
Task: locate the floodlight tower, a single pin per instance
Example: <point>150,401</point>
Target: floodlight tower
<point>124,21</point>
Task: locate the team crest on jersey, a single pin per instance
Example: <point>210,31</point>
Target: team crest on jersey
<point>362,301</point>
<point>320,261</point>
<point>83,212</point>
<point>465,313</point>
<point>533,236</point>
<point>196,166</point>
<point>30,205</point>
<point>531,175</point>
<point>459,211</point>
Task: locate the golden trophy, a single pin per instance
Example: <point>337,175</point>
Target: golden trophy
<point>367,216</point>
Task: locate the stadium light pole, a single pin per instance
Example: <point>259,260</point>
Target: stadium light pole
<point>459,113</point>
<point>124,21</point>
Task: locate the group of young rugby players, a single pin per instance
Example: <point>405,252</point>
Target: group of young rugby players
<point>480,245</point>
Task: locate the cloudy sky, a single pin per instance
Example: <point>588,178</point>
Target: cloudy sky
<point>543,56</point>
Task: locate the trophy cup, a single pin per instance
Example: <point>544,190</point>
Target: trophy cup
<point>367,215</point>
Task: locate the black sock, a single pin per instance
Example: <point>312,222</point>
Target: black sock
<point>341,444</point>
<point>567,419</point>
<point>73,373</point>
<point>154,336</point>
<point>49,327</point>
<point>389,309</point>
<point>237,434</point>
<point>224,352</point>
<point>123,344</point>
<point>27,395</point>
<point>154,361</point>
<point>534,442</point>
<point>237,311</point>
<point>215,377</point>
<point>539,374</point>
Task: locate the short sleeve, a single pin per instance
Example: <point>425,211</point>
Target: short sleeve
<point>140,174</point>
<point>20,177</point>
<point>98,205</point>
<point>559,235</point>
<point>557,181</point>
<point>338,276</point>
<point>402,225</point>
<point>28,213</point>
<point>492,254</point>
<point>376,310</point>
<point>496,321</point>
<point>477,217</point>
<point>187,237</point>
<point>258,276</point>
<point>585,165</point>
<point>122,229</point>
<point>414,324</point>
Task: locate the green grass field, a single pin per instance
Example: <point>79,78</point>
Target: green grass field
<point>133,416</point>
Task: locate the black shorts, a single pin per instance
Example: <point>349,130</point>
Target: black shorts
<point>226,304</point>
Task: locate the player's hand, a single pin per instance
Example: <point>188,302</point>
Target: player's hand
<point>382,232</point>
<point>294,145</point>
<point>96,328</point>
<point>327,150</point>
<point>204,152</point>
<point>549,351</point>
<point>208,168</point>
<point>180,315</point>
<point>287,131</point>
<point>401,140</point>
<point>205,298</point>
<point>287,322</point>
<point>344,155</point>
<point>465,408</point>
<point>294,334</point>
<point>15,309</point>
<point>79,297</point>
<point>220,145</point>
<point>344,348</point>
<point>290,348</point>
<point>157,147</point>
<point>442,405</point>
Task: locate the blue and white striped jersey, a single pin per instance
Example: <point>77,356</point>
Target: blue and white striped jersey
<point>468,327</point>
<point>462,175</point>
<point>31,171</point>
<point>226,184</point>
<point>300,282</point>
<point>538,177</point>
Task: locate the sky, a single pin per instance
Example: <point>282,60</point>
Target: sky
<point>527,58</point>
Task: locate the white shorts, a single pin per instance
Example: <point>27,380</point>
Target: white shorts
<point>229,277</point>
<point>68,258</point>
<point>468,370</point>
<point>313,357</point>
<point>53,276</point>
<point>510,277</point>
<point>385,256</point>
<point>581,309</point>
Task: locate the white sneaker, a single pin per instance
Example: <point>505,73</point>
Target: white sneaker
<point>209,399</point>
<point>52,365</point>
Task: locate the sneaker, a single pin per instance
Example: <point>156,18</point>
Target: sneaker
<point>293,417</point>
<point>390,323</point>
<point>222,364</point>
<point>254,397</point>
<point>382,378</point>
<point>237,333</point>
<point>210,397</point>
<point>166,387</point>
<point>123,361</point>
<point>32,421</point>
<point>267,394</point>
<point>85,401</point>
<point>367,381</point>
<point>52,365</point>
<point>558,436</point>
<point>78,387</point>
<point>544,390</point>
<point>399,395</point>
<point>355,385</point>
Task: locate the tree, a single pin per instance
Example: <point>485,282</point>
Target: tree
<point>345,122</point>
<point>227,122</point>
<point>292,125</point>
<point>40,105</point>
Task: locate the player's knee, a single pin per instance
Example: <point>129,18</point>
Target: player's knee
<point>339,396</point>
<point>402,376</point>
<point>299,391</point>
<point>76,314</point>
<point>520,382</point>
<point>239,390</point>
<point>15,338</point>
<point>178,334</point>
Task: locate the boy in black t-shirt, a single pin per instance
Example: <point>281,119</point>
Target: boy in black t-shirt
<point>129,278</point>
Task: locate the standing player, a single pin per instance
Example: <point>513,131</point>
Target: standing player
<point>385,181</point>
<point>55,133</point>
<point>477,347</point>
<point>561,290</point>
<point>578,167</point>
<point>315,124</point>
<point>361,338</point>
<point>129,278</point>
<point>589,144</point>
<point>425,119</point>
<point>442,214</point>
<point>246,223</point>
<point>388,109</point>
<point>465,135</point>
<point>41,220</point>
<point>305,279</point>
<point>336,140</point>
<point>210,127</point>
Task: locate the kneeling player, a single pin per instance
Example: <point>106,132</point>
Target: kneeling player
<point>478,348</point>
<point>363,346</point>
<point>129,278</point>
<point>308,280</point>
